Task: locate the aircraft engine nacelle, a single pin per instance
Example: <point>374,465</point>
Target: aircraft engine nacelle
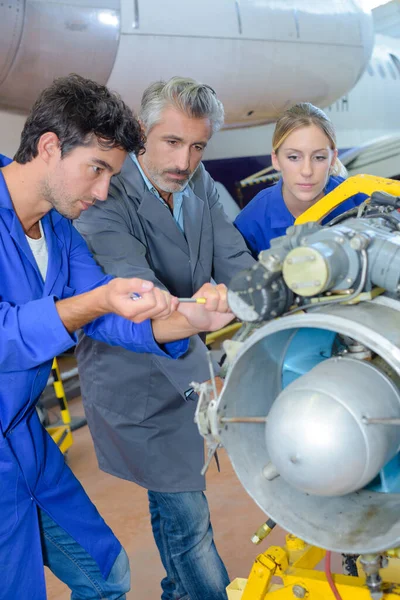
<point>41,40</point>
<point>260,56</point>
<point>310,409</point>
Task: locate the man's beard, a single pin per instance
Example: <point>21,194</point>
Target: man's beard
<point>61,203</point>
<point>161,180</point>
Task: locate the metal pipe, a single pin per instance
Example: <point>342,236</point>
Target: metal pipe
<point>135,23</point>
<point>378,421</point>
<point>243,419</point>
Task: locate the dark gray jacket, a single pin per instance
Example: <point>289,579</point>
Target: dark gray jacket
<point>141,423</point>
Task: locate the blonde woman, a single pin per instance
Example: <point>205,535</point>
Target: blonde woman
<point>304,151</point>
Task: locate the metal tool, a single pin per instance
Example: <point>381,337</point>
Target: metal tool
<point>196,300</point>
<point>136,296</point>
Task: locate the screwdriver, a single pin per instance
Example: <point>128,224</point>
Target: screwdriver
<point>136,296</point>
<point>197,300</point>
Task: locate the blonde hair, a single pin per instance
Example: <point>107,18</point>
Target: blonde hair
<point>305,114</point>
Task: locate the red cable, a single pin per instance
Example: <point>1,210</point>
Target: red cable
<point>329,576</point>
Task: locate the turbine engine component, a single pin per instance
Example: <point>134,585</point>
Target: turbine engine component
<point>317,434</point>
<point>312,467</point>
<point>347,258</point>
<point>310,410</point>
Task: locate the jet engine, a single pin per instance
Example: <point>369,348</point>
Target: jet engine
<point>310,410</point>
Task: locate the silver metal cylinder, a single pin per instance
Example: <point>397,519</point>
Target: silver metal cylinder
<point>358,522</point>
<point>316,434</point>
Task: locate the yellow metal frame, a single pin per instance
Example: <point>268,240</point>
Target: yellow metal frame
<point>229,330</point>
<point>61,434</point>
<point>294,565</point>
<point>365,184</point>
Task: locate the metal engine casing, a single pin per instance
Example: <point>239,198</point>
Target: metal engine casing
<point>361,521</point>
<point>310,409</point>
<point>317,436</point>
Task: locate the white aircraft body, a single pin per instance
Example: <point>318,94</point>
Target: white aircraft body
<point>260,55</point>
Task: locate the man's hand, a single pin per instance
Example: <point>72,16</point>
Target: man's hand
<point>191,318</point>
<point>212,315</point>
<point>138,300</point>
<point>116,297</point>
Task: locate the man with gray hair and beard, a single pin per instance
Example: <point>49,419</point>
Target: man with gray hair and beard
<point>163,222</point>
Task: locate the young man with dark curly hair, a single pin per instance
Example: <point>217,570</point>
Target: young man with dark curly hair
<point>75,139</point>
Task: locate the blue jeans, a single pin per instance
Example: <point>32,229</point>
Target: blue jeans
<point>77,569</point>
<point>183,534</point>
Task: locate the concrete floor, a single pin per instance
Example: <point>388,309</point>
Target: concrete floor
<point>123,505</point>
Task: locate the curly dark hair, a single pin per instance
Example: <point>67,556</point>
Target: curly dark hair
<point>77,110</point>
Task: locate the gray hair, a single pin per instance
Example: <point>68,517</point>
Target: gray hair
<point>196,99</point>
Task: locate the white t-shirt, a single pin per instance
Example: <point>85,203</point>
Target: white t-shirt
<point>39,251</point>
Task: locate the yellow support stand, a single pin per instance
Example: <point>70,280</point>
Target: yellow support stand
<point>222,334</point>
<point>293,570</point>
<point>366,184</point>
<point>61,434</point>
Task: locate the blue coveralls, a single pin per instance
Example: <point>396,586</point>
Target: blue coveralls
<point>32,469</point>
<point>267,216</point>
